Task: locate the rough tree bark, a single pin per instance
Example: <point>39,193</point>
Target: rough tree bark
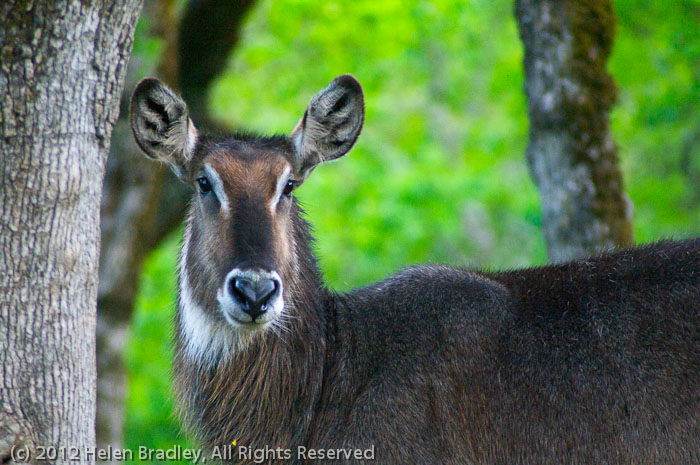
<point>571,153</point>
<point>142,202</point>
<point>62,66</point>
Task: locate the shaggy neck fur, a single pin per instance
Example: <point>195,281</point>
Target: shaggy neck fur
<point>260,392</point>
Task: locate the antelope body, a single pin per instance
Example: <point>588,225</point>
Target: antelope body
<point>593,361</point>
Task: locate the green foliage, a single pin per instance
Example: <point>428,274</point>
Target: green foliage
<point>150,419</point>
<point>438,174</point>
<point>656,62</point>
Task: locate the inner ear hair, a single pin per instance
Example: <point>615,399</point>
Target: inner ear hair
<point>330,126</point>
<point>161,125</point>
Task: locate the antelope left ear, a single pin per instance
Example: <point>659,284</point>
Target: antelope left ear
<point>162,126</point>
<point>330,125</point>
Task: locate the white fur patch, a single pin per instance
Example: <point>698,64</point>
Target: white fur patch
<point>281,183</point>
<point>217,186</point>
<point>191,139</point>
<point>205,341</point>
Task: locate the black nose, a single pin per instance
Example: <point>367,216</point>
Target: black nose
<point>253,294</point>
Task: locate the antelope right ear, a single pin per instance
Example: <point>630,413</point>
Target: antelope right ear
<point>330,125</point>
<point>161,125</point>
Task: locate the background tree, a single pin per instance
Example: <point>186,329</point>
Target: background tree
<point>62,67</point>
<point>142,202</point>
<point>571,153</point>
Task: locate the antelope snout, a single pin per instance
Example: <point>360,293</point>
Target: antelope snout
<point>251,296</point>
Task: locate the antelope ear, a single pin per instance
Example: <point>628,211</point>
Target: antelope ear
<point>161,125</point>
<point>330,125</point>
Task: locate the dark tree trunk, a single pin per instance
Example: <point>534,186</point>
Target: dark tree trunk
<point>571,153</point>
<point>142,202</point>
<point>62,66</point>
<point>209,29</point>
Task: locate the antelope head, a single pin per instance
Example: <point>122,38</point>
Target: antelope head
<point>239,256</point>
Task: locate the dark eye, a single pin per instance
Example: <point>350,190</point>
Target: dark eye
<point>204,185</point>
<point>288,188</point>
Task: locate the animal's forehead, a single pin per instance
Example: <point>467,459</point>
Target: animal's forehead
<point>244,166</point>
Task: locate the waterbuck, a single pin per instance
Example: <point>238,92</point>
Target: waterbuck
<point>590,362</point>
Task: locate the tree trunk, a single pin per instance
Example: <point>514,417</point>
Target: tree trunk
<point>62,66</point>
<point>209,29</point>
<point>571,153</point>
<point>142,201</point>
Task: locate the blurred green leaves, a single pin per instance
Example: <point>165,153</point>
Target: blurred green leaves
<point>150,419</point>
<point>656,62</point>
